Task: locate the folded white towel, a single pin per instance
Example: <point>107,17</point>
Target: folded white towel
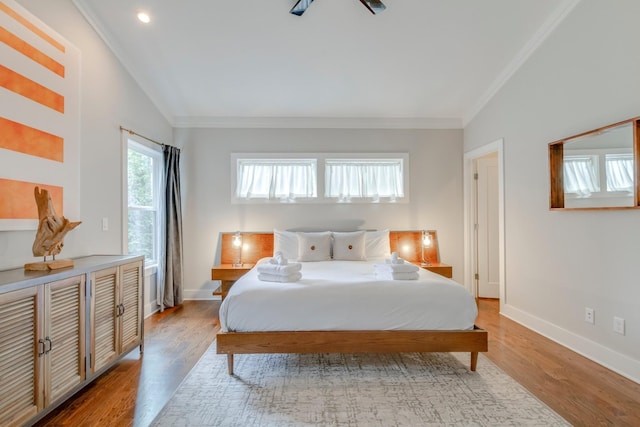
<point>279,270</point>
<point>395,259</point>
<point>278,259</point>
<point>389,275</point>
<point>396,268</point>
<point>294,277</point>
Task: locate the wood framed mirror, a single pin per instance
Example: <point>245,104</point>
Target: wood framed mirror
<point>597,169</point>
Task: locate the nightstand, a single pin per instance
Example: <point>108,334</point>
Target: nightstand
<point>439,268</point>
<point>228,274</point>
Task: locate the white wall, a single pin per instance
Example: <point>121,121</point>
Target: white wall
<point>436,190</point>
<point>585,75</point>
<point>109,98</point>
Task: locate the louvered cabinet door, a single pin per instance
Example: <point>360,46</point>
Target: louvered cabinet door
<point>131,299</point>
<point>104,319</point>
<point>64,336</point>
<point>20,363</point>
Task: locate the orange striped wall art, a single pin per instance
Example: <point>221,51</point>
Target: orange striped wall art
<point>16,82</point>
<point>18,202</point>
<point>25,139</point>
<point>30,52</point>
<point>4,7</point>
<point>39,118</point>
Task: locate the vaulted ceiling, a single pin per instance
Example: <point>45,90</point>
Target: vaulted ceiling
<point>419,63</point>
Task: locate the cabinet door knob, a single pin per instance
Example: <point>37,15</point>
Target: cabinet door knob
<point>41,349</point>
<point>50,345</point>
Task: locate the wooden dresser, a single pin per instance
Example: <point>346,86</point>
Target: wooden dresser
<point>61,329</point>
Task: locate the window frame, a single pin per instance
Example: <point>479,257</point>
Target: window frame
<point>281,199</point>
<point>599,158</point>
<point>366,161</point>
<point>153,151</point>
<point>320,176</point>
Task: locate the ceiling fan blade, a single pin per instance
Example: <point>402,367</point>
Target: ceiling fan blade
<point>300,7</point>
<point>375,6</point>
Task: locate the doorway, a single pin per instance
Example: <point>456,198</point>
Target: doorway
<point>484,221</point>
<point>486,226</point>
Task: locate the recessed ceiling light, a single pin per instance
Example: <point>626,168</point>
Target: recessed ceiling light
<point>144,17</point>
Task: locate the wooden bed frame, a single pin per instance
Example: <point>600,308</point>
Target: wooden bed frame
<point>230,343</point>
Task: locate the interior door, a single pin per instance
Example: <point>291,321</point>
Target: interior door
<point>488,262</point>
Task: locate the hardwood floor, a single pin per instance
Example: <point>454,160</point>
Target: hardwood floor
<point>582,391</point>
<point>134,391</point>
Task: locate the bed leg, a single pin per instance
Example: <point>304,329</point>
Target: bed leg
<point>474,360</point>
<point>230,363</point>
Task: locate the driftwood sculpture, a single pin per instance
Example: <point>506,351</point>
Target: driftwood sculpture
<point>51,231</point>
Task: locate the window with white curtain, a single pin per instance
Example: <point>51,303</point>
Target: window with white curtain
<point>276,179</point>
<point>619,172</point>
<point>598,174</point>
<point>319,177</point>
<point>581,175</point>
<point>372,179</point>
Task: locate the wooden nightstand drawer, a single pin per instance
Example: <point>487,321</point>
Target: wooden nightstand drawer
<point>441,269</point>
<point>228,274</point>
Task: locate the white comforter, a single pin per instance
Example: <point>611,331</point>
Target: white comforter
<point>345,295</point>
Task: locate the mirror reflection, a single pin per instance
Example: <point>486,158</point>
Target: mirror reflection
<point>596,169</point>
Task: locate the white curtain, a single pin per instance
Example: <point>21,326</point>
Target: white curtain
<point>580,175</point>
<point>620,172</point>
<point>374,179</point>
<point>280,179</point>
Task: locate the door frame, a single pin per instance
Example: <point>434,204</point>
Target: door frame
<point>470,247</point>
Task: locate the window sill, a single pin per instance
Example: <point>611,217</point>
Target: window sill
<point>150,269</point>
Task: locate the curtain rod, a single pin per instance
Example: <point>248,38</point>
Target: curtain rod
<point>141,136</point>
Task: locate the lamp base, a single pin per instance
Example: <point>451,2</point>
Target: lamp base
<point>425,264</point>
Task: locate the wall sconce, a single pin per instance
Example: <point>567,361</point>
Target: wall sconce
<point>427,242</point>
<point>237,243</point>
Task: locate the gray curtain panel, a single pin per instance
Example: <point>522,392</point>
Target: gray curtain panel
<point>172,294</point>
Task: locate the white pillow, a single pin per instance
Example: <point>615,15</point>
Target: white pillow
<point>349,246</point>
<point>314,246</point>
<point>377,244</point>
<point>285,242</point>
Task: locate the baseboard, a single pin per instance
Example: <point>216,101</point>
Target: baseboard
<point>200,294</point>
<point>151,308</point>
<point>610,359</point>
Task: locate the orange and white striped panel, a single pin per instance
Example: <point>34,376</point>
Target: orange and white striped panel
<point>17,200</point>
<point>39,117</point>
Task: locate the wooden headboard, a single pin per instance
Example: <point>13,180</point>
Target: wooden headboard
<point>257,245</point>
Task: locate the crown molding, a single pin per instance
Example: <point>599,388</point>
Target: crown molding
<point>317,122</point>
<point>554,20</point>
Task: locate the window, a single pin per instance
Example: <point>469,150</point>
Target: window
<point>619,172</point>
<point>281,179</point>
<point>320,178</point>
<point>374,179</point>
<point>144,171</point>
<point>583,175</point>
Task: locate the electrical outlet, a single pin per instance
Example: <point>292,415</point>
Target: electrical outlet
<point>105,224</point>
<point>618,325</point>
<point>590,315</point>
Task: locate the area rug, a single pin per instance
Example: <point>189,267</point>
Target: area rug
<point>355,390</point>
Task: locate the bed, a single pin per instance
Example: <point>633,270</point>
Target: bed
<point>341,306</point>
